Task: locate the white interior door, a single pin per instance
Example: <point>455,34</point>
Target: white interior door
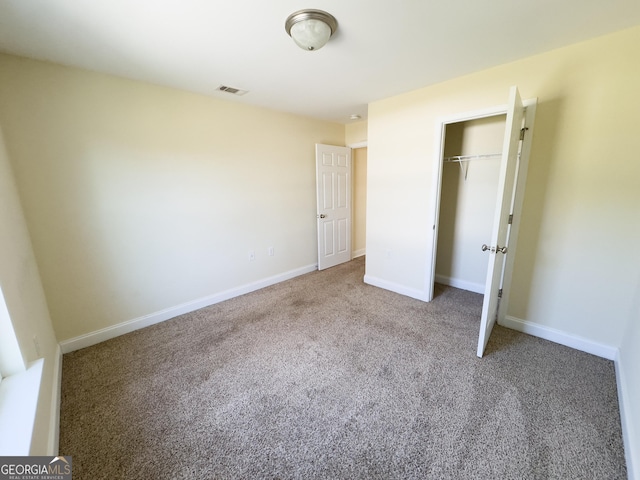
<point>333,177</point>
<point>497,248</point>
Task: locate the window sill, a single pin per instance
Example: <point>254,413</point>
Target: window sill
<point>18,405</point>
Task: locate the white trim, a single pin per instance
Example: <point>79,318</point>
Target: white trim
<point>558,336</point>
<point>459,283</point>
<point>395,287</point>
<point>54,422</point>
<point>19,398</point>
<point>128,326</point>
<point>358,253</point>
<point>474,114</point>
<point>362,144</point>
<point>629,436</point>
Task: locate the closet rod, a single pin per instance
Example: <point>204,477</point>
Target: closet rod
<point>466,158</point>
<point>463,160</point>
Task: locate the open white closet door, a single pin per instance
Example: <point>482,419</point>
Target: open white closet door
<point>498,248</point>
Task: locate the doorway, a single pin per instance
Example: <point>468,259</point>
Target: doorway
<point>503,213</point>
<point>470,173</point>
<point>341,189</point>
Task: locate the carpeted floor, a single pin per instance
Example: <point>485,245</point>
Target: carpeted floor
<point>323,376</point>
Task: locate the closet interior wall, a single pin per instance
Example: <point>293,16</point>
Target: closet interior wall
<point>468,201</point>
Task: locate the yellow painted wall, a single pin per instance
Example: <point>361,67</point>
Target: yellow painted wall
<point>139,198</point>
<point>355,132</point>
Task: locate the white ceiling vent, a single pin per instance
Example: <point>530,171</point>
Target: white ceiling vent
<point>235,91</point>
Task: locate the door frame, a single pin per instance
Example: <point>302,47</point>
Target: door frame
<point>440,132</point>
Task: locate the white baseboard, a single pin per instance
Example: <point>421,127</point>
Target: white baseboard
<point>462,284</point>
<point>558,336</point>
<point>629,435</point>
<point>108,333</point>
<point>54,422</point>
<point>395,287</point>
<point>358,253</point>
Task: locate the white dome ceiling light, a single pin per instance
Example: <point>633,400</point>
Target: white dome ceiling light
<point>311,29</point>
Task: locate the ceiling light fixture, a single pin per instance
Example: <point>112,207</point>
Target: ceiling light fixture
<point>311,29</point>
<point>355,116</point>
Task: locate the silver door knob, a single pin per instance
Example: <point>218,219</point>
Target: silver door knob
<point>486,247</point>
<point>502,249</point>
<point>322,215</point>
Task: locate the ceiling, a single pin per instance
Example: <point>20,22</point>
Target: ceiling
<point>382,47</point>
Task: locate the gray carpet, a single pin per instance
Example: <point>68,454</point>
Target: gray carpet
<point>323,376</point>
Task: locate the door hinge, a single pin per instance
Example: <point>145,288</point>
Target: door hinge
<point>510,219</point>
<point>522,130</point>
<point>500,293</point>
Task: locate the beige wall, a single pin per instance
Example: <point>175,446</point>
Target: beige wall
<point>355,132</point>
<point>140,198</point>
<point>25,302</point>
<point>358,225</point>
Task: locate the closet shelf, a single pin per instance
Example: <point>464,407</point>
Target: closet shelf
<point>466,158</point>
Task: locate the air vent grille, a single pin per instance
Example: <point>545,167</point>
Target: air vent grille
<point>235,91</point>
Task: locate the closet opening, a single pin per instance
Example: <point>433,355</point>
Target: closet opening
<point>469,187</point>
